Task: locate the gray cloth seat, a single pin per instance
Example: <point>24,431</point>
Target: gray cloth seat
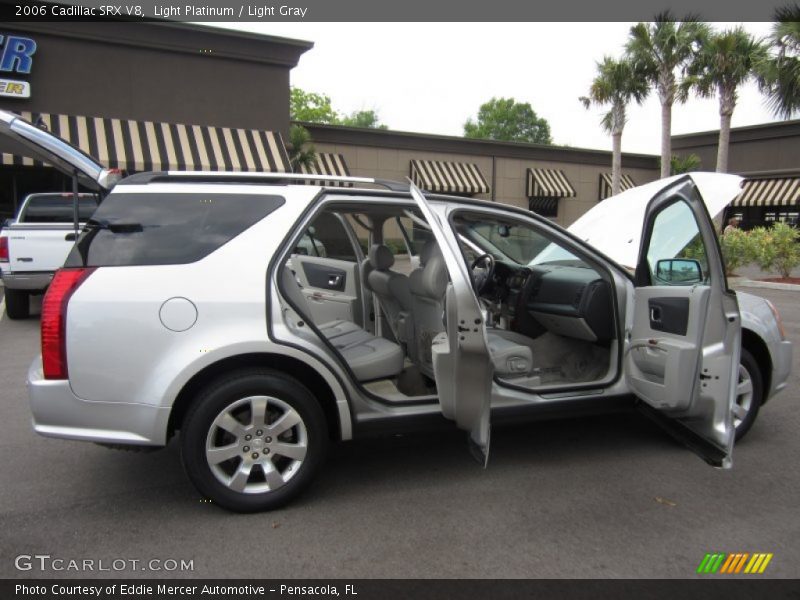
<point>392,290</point>
<point>427,286</point>
<point>369,357</point>
<point>511,353</point>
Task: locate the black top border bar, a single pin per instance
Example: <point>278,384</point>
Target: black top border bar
<point>408,11</point>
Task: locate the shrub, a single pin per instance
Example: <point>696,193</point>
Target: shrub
<point>776,249</point>
<point>737,249</point>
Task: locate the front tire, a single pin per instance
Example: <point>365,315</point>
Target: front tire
<point>17,304</point>
<point>254,440</point>
<point>749,394</point>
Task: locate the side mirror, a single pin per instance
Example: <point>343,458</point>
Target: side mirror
<point>503,231</point>
<point>679,271</point>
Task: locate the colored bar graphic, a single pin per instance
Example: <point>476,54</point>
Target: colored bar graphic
<point>754,563</point>
<point>734,563</point>
<point>764,564</point>
<point>728,563</point>
<point>704,563</point>
<point>718,563</point>
<point>741,562</point>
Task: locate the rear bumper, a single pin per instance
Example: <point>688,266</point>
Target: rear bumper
<point>34,282</point>
<point>59,413</point>
<point>781,365</point>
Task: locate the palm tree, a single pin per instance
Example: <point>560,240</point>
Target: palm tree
<point>617,83</point>
<point>779,75</point>
<point>660,49</point>
<point>301,151</point>
<point>725,61</point>
<point>684,164</point>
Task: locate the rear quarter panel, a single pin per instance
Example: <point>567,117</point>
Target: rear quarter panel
<point>118,349</point>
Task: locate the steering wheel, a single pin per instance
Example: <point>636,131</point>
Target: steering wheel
<point>483,276</point>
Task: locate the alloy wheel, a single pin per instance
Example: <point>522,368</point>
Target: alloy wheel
<point>256,444</point>
<point>744,396</point>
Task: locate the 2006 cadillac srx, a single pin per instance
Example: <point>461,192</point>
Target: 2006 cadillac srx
<point>196,303</point>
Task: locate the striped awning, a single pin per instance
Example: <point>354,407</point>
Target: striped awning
<point>326,163</point>
<point>154,146</point>
<point>448,177</point>
<point>779,191</point>
<point>549,183</point>
<point>625,183</point>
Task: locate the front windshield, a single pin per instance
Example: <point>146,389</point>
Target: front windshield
<point>513,242</point>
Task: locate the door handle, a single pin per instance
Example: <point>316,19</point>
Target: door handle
<point>70,237</point>
<point>655,314</point>
<point>334,280</point>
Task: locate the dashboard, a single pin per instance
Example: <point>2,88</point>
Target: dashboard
<point>568,300</point>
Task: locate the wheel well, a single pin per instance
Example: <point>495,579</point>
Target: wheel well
<point>756,346</point>
<point>287,365</point>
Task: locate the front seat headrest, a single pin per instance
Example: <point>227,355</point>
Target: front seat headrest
<point>435,277</point>
<point>380,257</point>
<point>427,251</point>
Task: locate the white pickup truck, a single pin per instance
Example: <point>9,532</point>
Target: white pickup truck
<point>36,243</point>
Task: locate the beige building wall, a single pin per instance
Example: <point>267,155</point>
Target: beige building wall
<point>388,154</point>
<point>510,174</point>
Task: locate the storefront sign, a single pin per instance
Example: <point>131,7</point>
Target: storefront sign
<point>16,57</point>
<point>11,88</point>
<point>17,54</point>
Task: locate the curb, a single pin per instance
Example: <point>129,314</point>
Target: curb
<point>770,285</point>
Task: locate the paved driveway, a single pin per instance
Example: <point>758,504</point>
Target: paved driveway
<point>598,497</point>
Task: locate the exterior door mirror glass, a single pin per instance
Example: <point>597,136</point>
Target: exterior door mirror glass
<point>679,271</point>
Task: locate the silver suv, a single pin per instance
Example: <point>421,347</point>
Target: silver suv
<point>190,303</point>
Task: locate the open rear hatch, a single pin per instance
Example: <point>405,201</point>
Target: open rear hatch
<point>18,137</point>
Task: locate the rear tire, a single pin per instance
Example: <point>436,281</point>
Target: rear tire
<point>17,304</point>
<point>749,394</point>
<point>254,440</point>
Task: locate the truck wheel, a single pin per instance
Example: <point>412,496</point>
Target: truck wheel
<point>253,440</point>
<point>17,304</point>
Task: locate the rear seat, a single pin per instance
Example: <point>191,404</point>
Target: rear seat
<point>370,357</point>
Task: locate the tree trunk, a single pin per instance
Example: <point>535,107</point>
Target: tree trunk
<point>727,102</point>
<point>724,141</point>
<point>666,139</point>
<point>616,162</point>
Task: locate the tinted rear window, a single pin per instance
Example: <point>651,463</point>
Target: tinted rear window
<point>57,208</point>
<point>165,229</point>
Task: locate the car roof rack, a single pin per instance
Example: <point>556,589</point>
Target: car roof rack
<point>254,177</point>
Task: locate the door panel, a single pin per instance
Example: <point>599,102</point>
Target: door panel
<point>661,358</point>
<point>330,287</point>
<point>683,341</point>
<point>670,315</point>
<point>462,364</point>
<point>326,277</point>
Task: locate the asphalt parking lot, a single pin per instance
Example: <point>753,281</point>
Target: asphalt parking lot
<point>599,497</point>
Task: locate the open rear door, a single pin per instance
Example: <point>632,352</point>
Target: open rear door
<point>20,138</point>
<point>683,341</point>
<point>462,364</point>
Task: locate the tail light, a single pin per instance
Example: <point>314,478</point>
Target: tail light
<point>54,320</point>
<point>3,249</point>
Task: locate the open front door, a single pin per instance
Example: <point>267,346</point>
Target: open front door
<point>461,361</point>
<point>684,338</point>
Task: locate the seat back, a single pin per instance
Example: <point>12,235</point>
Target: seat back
<point>428,285</point>
<point>391,289</point>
